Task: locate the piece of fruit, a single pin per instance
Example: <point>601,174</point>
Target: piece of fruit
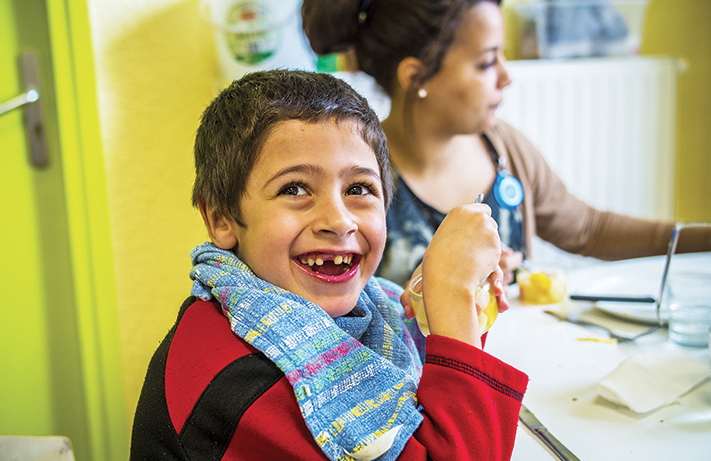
<point>486,299</point>
<point>541,287</point>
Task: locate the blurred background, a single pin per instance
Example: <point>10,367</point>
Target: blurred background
<point>94,244</point>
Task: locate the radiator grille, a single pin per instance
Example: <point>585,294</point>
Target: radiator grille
<point>605,126</point>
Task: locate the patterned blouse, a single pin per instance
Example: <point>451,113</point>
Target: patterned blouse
<point>412,224</point>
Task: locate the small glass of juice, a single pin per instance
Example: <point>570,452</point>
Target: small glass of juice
<point>485,301</point>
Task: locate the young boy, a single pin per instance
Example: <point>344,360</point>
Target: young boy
<point>289,348</point>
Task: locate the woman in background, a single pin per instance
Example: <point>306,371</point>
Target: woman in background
<point>441,63</point>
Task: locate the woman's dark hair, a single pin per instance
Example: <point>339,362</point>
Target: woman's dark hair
<point>236,124</point>
<point>384,32</point>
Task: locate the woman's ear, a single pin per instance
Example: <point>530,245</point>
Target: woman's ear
<point>408,72</point>
<point>222,229</point>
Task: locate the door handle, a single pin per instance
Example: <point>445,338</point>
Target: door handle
<point>35,110</point>
<point>25,98</point>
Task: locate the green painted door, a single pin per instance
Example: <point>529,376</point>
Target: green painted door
<point>57,374</point>
<point>40,380</point>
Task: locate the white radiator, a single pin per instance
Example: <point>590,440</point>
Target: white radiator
<point>606,127</point>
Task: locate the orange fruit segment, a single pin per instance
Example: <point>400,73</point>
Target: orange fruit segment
<point>541,287</point>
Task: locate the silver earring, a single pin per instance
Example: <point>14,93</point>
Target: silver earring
<point>422,93</point>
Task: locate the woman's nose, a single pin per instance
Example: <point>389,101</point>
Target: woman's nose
<point>332,216</point>
<point>504,76</point>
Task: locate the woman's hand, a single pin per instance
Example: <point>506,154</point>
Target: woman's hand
<point>497,281</point>
<point>509,262</point>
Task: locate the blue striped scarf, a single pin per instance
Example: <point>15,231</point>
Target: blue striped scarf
<point>354,377</point>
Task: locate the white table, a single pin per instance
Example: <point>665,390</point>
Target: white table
<point>565,366</point>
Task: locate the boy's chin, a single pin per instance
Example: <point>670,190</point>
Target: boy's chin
<point>337,307</point>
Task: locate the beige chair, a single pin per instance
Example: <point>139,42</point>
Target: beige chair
<point>30,448</point>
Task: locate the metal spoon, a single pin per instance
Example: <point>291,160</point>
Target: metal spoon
<point>523,265</point>
<point>613,335</point>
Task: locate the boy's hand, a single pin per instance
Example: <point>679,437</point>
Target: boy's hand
<point>405,296</point>
<point>464,251</point>
<point>495,278</point>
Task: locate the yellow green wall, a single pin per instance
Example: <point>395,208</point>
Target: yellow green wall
<point>156,71</point>
<point>681,28</point>
<point>59,354</point>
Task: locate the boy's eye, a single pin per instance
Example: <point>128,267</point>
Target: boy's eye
<point>356,190</point>
<point>293,189</point>
<point>361,189</point>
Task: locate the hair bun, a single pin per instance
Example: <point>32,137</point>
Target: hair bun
<point>330,25</point>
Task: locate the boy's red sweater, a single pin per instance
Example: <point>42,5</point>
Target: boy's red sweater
<point>210,395</point>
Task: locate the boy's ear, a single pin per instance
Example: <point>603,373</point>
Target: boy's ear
<point>407,72</point>
<point>222,230</point>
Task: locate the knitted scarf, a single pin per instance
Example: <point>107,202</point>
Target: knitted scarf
<point>354,377</point>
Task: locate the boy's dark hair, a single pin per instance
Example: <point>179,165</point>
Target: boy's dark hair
<point>236,124</point>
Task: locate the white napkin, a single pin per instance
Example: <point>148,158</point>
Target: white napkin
<point>644,382</point>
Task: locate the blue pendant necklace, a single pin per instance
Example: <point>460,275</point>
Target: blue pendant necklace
<point>508,191</point>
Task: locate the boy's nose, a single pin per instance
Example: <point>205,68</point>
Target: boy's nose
<point>332,216</point>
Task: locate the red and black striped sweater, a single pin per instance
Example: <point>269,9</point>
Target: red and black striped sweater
<point>208,395</point>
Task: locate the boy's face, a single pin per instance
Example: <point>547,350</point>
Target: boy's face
<point>314,213</point>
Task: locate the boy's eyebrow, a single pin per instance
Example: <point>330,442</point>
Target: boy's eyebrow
<point>317,170</point>
<point>303,168</point>
<point>365,171</point>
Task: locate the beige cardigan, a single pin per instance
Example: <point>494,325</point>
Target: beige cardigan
<point>558,217</point>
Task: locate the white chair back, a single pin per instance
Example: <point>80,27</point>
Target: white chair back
<point>30,448</point>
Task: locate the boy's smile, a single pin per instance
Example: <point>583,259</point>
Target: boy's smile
<point>314,213</point>
<point>329,267</point>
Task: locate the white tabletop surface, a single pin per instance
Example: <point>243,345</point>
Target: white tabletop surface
<point>565,362</point>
